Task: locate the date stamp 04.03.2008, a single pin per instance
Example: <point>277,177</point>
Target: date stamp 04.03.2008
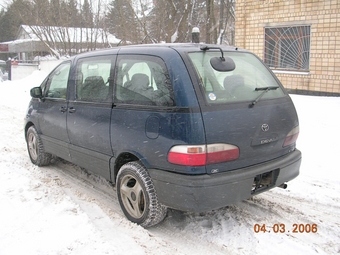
<point>283,228</point>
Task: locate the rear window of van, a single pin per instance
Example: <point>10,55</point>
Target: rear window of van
<point>249,81</point>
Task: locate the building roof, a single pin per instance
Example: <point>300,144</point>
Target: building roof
<point>34,38</point>
<point>70,34</point>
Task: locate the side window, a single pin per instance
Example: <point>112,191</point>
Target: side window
<point>93,76</point>
<point>143,80</point>
<point>56,84</point>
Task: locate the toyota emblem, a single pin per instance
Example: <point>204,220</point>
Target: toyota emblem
<point>265,127</point>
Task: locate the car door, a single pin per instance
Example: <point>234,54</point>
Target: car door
<point>52,111</point>
<point>141,120</point>
<point>89,112</point>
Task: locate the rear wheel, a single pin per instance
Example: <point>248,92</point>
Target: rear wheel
<point>35,148</point>
<point>137,195</point>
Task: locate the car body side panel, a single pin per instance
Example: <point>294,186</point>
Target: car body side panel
<point>89,131</point>
<point>131,132</point>
<point>52,119</point>
<point>88,121</point>
<point>151,131</point>
<point>94,161</point>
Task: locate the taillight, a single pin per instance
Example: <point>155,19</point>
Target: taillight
<point>200,155</point>
<point>221,152</point>
<point>291,137</point>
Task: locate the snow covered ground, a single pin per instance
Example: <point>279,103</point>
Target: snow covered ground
<point>62,209</point>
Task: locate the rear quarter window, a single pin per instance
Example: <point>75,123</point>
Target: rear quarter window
<point>143,80</point>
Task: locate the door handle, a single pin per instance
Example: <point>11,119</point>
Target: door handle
<point>62,109</point>
<point>71,110</point>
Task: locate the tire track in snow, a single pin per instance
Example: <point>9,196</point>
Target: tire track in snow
<point>84,187</point>
<point>291,210</point>
<point>187,233</point>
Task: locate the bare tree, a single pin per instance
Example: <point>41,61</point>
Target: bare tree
<point>170,19</point>
<point>229,23</point>
<point>133,21</point>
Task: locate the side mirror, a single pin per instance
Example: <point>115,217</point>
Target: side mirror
<point>222,64</point>
<point>36,92</point>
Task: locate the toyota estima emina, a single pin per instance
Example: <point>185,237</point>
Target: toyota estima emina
<point>184,126</point>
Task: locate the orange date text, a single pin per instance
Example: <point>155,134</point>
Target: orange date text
<point>283,228</point>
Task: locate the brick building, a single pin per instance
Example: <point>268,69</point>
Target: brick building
<point>298,39</point>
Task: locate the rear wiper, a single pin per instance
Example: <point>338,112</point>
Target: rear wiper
<point>264,90</point>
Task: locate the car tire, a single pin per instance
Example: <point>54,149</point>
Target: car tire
<point>35,148</point>
<point>137,195</point>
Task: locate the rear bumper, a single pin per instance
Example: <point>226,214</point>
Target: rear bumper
<point>200,193</point>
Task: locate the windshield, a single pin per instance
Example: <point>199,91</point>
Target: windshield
<point>249,81</point>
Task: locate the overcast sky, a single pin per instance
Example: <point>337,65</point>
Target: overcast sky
<point>3,3</point>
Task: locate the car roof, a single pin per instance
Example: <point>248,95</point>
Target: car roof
<point>147,48</point>
<point>183,46</point>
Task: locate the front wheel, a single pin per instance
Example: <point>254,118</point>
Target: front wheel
<point>137,195</point>
<point>36,149</point>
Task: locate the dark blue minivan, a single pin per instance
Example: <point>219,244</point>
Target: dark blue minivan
<point>185,126</point>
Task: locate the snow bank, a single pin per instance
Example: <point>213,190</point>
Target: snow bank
<point>62,209</point>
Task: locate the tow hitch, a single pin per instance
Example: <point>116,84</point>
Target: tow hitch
<point>265,181</point>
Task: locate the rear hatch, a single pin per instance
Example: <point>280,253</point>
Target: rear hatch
<point>245,108</point>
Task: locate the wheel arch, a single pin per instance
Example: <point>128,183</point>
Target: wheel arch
<point>27,126</point>
<point>122,159</point>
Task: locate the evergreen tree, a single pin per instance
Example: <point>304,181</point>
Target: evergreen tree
<point>73,14</point>
<point>87,15</point>
<point>121,20</point>
<point>171,20</point>
<point>41,13</point>
<point>2,21</point>
<point>19,12</point>
<point>55,13</point>
<point>65,18</point>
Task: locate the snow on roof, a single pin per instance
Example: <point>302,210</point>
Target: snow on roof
<point>70,34</point>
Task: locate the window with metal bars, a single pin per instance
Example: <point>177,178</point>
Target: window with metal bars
<point>287,48</point>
